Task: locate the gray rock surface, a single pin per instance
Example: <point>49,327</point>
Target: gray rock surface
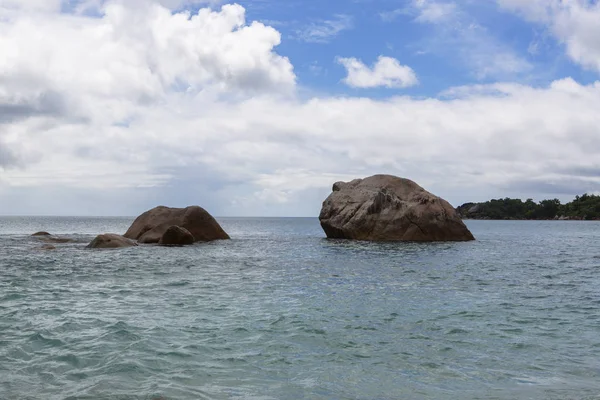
<point>176,236</point>
<point>111,241</point>
<point>388,208</point>
<point>41,234</point>
<point>152,225</point>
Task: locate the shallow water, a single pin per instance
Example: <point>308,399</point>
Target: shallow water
<point>279,312</point>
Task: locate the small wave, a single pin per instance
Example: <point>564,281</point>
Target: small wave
<point>39,339</point>
<point>456,331</point>
<point>70,359</point>
<point>178,283</point>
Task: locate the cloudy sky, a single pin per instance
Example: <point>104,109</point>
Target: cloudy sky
<point>110,107</point>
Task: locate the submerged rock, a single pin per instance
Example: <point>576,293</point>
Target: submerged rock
<point>152,225</point>
<point>110,241</point>
<point>48,247</point>
<point>49,238</point>
<point>388,208</point>
<point>176,236</point>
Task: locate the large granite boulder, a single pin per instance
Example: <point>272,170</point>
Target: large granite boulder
<point>176,236</point>
<point>152,225</point>
<point>111,241</point>
<point>388,208</point>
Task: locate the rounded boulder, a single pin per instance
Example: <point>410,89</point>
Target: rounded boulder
<point>389,208</point>
<point>111,241</point>
<point>152,225</point>
<point>176,236</point>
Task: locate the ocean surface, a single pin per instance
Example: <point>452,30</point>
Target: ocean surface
<point>280,312</point>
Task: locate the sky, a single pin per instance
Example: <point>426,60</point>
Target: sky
<point>255,108</point>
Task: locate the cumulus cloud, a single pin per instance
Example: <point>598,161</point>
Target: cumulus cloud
<point>14,107</point>
<point>575,23</point>
<point>140,53</point>
<point>275,153</point>
<point>141,106</point>
<point>387,72</point>
<point>90,5</point>
<point>7,158</point>
<point>31,5</point>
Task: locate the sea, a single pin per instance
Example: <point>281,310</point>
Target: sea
<point>281,312</point>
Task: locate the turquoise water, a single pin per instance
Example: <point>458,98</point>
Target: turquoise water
<point>279,312</point>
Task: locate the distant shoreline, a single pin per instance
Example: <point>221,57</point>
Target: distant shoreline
<point>583,208</point>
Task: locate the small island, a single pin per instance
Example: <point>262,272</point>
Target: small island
<point>582,208</point>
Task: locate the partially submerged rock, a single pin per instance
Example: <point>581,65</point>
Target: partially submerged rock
<point>152,225</point>
<point>111,241</point>
<point>388,208</point>
<point>176,236</point>
<point>49,238</point>
<point>48,247</point>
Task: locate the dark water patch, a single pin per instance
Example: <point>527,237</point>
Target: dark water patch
<point>457,331</point>
<point>178,283</point>
<point>39,341</point>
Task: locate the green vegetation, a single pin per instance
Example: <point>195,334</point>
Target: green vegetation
<point>586,207</point>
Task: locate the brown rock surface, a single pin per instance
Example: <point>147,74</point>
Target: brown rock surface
<point>111,241</point>
<point>388,208</point>
<point>151,225</point>
<point>176,236</point>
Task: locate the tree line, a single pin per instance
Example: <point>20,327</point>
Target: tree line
<point>585,207</point>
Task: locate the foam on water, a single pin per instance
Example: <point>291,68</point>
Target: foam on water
<point>279,312</point>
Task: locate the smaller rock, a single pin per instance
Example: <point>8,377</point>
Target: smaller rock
<point>47,247</point>
<point>151,225</point>
<point>111,241</point>
<point>41,234</point>
<point>176,236</point>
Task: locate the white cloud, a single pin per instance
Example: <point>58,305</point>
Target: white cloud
<point>30,5</point>
<point>137,55</point>
<point>264,152</point>
<point>575,23</point>
<point>429,11</point>
<point>7,7</point>
<point>387,72</point>
<point>432,11</point>
<point>141,106</point>
<point>323,31</point>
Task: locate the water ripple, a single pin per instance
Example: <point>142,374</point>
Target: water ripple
<point>281,313</point>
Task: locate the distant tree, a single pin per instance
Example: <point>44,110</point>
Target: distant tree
<point>585,206</point>
<point>548,209</point>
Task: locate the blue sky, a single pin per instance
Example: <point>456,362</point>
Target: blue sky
<point>110,107</point>
<point>442,51</point>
